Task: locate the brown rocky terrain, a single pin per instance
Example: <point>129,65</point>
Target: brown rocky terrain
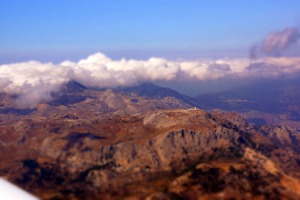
<point>109,144</point>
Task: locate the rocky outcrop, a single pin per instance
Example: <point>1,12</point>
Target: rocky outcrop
<point>175,139</point>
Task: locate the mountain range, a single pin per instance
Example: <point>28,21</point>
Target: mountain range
<point>149,142</point>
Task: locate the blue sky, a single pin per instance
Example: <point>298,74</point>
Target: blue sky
<point>53,30</point>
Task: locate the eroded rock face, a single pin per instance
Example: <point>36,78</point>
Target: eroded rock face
<point>165,154</point>
<point>164,139</point>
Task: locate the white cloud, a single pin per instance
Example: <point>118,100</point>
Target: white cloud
<point>34,81</point>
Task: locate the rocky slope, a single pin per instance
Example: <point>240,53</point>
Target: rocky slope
<point>118,144</point>
<point>76,100</point>
<point>164,154</point>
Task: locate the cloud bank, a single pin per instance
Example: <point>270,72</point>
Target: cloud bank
<point>34,82</point>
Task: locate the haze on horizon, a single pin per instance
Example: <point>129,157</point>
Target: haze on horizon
<point>116,43</point>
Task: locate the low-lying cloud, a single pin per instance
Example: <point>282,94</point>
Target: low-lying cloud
<point>35,81</point>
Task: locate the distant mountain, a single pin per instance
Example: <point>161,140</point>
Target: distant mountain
<point>273,97</point>
<point>273,101</point>
<point>150,90</point>
<point>70,93</point>
<point>73,86</point>
<point>153,91</point>
<point>74,97</point>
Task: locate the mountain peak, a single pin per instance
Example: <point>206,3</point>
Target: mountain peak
<point>73,86</point>
<point>150,90</point>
